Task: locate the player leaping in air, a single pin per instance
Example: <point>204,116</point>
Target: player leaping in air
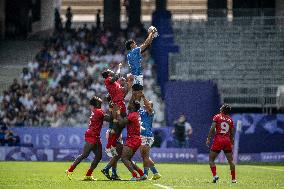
<point>147,115</point>
<point>117,89</point>
<point>92,138</point>
<point>134,58</point>
<point>223,128</point>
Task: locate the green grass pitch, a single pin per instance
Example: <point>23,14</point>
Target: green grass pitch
<point>50,175</point>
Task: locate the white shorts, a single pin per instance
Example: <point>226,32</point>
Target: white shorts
<point>138,79</point>
<point>147,141</point>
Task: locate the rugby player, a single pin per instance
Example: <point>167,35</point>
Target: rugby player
<point>147,115</point>
<point>117,90</point>
<point>134,58</point>
<point>92,139</point>
<point>133,139</point>
<point>223,128</point>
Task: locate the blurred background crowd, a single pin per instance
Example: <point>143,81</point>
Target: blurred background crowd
<point>54,89</point>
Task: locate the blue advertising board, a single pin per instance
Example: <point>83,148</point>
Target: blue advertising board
<point>260,133</point>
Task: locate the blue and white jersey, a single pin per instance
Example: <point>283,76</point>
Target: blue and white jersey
<point>147,120</point>
<point>134,59</point>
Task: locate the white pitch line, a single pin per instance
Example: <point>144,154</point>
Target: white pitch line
<point>257,167</point>
<point>163,186</point>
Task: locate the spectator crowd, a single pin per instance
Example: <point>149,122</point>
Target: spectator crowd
<point>54,89</point>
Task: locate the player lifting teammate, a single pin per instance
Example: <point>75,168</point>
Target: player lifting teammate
<point>133,139</point>
<point>92,138</point>
<point>223,140</point>
<point>147,115</point>
<point>119,145</point>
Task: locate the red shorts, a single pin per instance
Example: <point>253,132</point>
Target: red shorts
<point>221,143</point>
<point>121,106</point>
<point>91,138</point>
<point>133,142</point>
<point>112,140</point>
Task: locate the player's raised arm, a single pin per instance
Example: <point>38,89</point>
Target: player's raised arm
<point>148,41</point>
<point>116,75</point>
<point>125,85</point>
<point>211,132</point>
<point>148,104</point>
<point>119,68</point>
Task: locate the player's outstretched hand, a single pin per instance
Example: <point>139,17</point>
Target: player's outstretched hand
<point>207,142</point>
<point>153,31</point>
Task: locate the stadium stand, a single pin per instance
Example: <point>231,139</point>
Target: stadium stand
<point>54,89</point>
<point>14,55</point>
<point>244,57</point>
<point>85,10</point>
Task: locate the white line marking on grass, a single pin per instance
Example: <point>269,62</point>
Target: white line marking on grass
<point>163,186</point>
<point>267,168</point>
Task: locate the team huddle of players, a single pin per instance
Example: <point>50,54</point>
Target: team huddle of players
<point>137,120</point>
<point>138,123</point>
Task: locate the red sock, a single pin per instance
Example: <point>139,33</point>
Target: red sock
<point>134,174</point>
<point>111,141</point>
<point>71,169</point>
<point>141,173</point>
<point>89,172</point>
<point>213,170</point>
<point>233,173</point>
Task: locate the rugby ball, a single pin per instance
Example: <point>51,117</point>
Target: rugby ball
<point>151,28</point>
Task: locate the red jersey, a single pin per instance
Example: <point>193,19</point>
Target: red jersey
<point>134,127</point>
<point>223,124</point>
<point>115,90</point>
<point>96,122</point>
